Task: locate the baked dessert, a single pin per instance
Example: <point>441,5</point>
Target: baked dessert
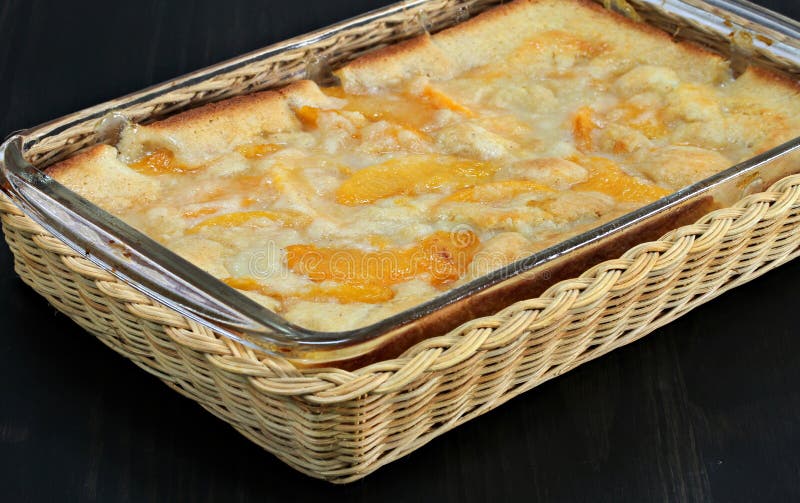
<point>436,160</point>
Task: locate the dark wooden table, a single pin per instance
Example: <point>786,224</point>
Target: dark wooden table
<point>707,408</point>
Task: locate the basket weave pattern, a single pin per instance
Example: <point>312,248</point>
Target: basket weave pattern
<point>341,425</point>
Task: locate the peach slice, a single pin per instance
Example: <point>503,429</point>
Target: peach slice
<point>346,293</point>
<point>257,150</point>
<point>442,256</point>
<point>608,178</point>
<point>286,218</point>
<point>648,122</point>
<point>407,111</point>
<point>440,100</point>
<point>201,212</point>
<point>160,161</point>
<point>583,124</point>
<point>411,175</point>
<point>308,116</point>
<point>496,191</point>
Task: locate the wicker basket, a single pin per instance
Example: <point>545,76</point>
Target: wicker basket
<point>341,425</point>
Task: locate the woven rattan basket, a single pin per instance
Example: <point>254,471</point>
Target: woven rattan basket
<point>341,425</point>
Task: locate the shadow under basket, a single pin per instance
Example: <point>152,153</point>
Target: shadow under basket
<point>341,425</point>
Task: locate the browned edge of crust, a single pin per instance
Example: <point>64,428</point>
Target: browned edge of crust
<point>230,106</point>
<point>210,110</point>
<point>498,13</point>
<point>649,29</point>
<point>86,155</point>
<point>383,54</point>
<point>775,78</point>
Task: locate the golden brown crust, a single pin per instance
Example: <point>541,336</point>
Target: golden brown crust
<point>644,28</point>
<point>212,111</point>
<point>243,108</point>
<point>398,62</point>
<point>303,93</point>
<point>86,156</point>
<point>493,34</point>
<point>208,130</point>
<point>769,77</point>
<point>100,177</point>
<point>211,129</point>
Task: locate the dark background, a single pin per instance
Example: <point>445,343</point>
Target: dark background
<point>707,408</point>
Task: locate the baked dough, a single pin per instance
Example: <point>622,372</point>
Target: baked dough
<point>437,160</point>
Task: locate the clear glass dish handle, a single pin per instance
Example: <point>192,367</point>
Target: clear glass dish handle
<point>135,258</point>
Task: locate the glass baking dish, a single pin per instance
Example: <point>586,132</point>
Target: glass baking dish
<point>742,31</point>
